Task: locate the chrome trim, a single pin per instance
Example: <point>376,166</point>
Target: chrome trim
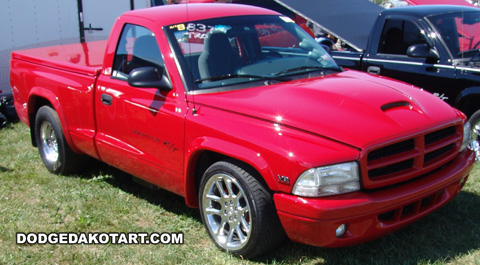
<point>445,66</point>
<point>346,58</point>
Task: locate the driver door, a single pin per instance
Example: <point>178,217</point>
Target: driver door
<point>140,130</point>
<point>389,58</point>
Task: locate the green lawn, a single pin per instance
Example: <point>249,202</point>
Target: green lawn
<point>103,199</point>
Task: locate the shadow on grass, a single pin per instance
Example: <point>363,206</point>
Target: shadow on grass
<point>169,201</point>
<point>452,231</point>
<point>4,169</point>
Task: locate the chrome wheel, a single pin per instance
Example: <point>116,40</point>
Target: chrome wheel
<point>476,139</point>
<point>49,142</point>
<point>55,152</point>
<point>227,211</point>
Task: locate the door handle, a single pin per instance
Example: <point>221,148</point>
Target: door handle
<point>106,99</point>
<point>373,70</point>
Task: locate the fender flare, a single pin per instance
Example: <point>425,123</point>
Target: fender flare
<point>464,97</point>
<point>228,149</point>
<point>48,95</point>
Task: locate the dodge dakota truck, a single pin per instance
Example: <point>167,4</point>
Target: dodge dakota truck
<point>434,47</point>
<point>243,113</point>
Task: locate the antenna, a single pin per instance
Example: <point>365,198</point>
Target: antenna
<point>192,79</point>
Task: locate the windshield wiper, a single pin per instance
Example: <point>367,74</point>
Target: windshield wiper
<point>301,68</point>
<point>229,76</point>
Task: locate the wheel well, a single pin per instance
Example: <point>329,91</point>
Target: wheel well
<point>37,102</point>
<point>470,104</point>
<point>208,158</point>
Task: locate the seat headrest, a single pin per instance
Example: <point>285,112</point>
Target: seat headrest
<point>146,48</point>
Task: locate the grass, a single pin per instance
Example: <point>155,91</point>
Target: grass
<point>103,199</point>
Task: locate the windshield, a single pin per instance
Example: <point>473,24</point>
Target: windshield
<point>241,51</point>
<point>460,32</point>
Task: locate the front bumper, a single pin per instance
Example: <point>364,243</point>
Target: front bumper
<point>370,215</point>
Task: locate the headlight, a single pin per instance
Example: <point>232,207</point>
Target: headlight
<point>467,136</point>
<point>328,180</point>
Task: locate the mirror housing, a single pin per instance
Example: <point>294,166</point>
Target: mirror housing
<point>149,77</point>
<point>307,45</point>
<point>326,43</point>
<point>422,51</point>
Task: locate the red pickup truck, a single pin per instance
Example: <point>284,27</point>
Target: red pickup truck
<point>241,112</point>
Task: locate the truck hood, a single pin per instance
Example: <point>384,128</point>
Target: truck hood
<point>351,107</point>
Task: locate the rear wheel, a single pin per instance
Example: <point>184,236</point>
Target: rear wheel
<point>57,156</point>
<point>3,120</point>
<point>238,211</point>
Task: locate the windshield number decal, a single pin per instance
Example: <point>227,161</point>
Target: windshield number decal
<point>179,27</point>
<point>197,30</point>
<point>198,27</point>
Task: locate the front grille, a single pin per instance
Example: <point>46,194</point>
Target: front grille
<point>438,153</point>
<point>391,150</point>
<point>439,135</point>
<point>390,169</point>
<point>410,158</point>
<point>413,209</point>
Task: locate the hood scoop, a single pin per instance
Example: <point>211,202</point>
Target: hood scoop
<point>396,105</point>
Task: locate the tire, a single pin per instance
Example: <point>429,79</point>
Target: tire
<point>238,211</point>
<point>475,123</point>
<point>57,156</point>
<point>3,120</point>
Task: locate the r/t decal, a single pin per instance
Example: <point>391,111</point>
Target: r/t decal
<point>442,96</point>
<point>170,146</point>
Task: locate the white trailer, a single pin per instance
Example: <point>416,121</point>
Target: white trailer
<point>37,23</point>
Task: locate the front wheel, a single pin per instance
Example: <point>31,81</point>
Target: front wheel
<point>475,123</point>
<point>57,156</point>
<point>238,211</point>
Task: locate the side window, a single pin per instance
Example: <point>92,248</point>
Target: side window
<point>458,33</point>
<point>398,35</point>
<point>136,48</point>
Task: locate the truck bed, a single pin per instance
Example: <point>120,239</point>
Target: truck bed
<point>65,76</point>
<point>82,58</point>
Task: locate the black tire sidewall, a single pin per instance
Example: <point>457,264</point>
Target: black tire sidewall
<point>47,114</point>
<point>251,248</point>
<point>3,120</point>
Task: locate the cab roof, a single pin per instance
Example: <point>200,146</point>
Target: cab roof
<point>421,11</point>
<point>173,14</point>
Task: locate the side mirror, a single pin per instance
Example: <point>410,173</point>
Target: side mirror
<point>326,44</point>
<point>328,49</point>
<point>307,45</point>
<point>422,51</point>
<point>149,77</point>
